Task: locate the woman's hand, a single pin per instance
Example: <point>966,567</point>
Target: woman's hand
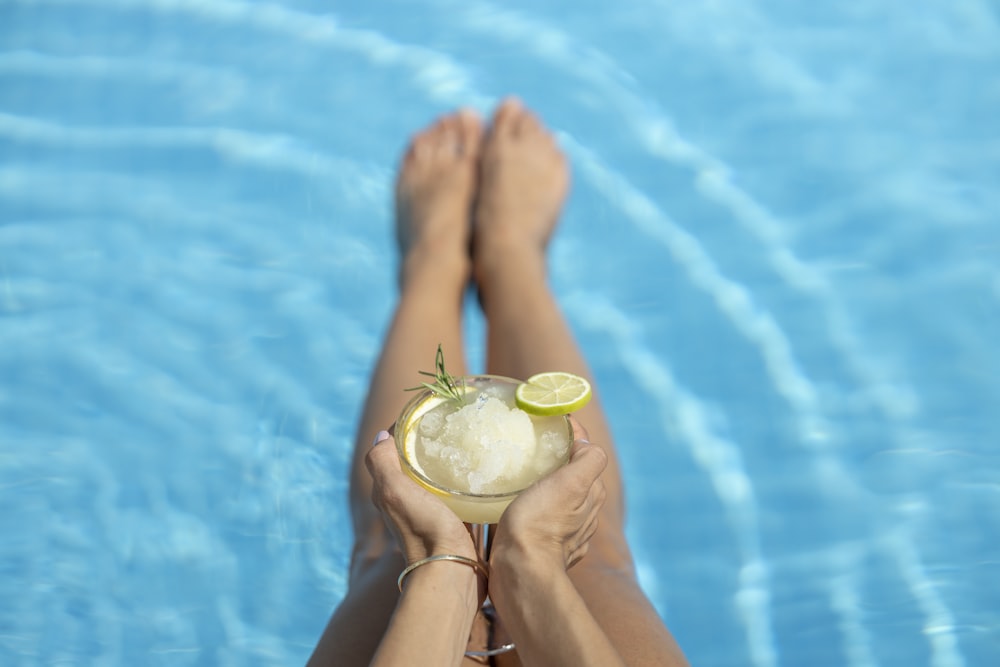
<point>550,524</point>
<point>437,607</point>
<point>541,535</point>
<point>422,523</point>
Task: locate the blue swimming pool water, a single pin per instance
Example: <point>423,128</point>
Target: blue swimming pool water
<point>780,255</point>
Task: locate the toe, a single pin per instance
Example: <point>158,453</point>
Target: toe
<point>470,129</point>
<point>526,123</point>
<point>445,138</point>
<point>425,143</point>
<point>505,117</point>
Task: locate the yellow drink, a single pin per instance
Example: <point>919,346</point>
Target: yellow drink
<point>479,453</point>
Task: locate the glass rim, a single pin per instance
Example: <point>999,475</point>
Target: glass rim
<point>399,439</point>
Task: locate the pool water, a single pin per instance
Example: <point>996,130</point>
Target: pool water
<point>780,255</point>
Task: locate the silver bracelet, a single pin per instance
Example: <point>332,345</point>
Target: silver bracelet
<point>474,564</point>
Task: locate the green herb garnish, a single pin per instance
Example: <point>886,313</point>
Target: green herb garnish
<point>445,384</point>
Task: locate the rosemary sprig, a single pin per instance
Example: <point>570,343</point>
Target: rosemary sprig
<point>445,384</point>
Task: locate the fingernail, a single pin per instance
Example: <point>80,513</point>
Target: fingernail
<point>381,436</point>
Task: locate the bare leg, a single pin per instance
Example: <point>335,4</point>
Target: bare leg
<point>523,181</point>
<point>434,197</point>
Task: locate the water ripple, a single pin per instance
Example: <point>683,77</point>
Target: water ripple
<point>731,297</point>
<point>718,457</point>
<point>225,390</point>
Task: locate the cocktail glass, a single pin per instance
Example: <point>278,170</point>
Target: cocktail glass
<point>480,511</point>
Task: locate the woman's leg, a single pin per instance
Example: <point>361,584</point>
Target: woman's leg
<point>434,196</point>
<point>523,181</point>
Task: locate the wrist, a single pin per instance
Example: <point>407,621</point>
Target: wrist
<point>434,614</point>
<point>445,579</point>
<point>418,547</point>
<point>530,555</point>
<point>513,568</point>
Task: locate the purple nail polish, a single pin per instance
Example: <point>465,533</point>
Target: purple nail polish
<point>381,436</point>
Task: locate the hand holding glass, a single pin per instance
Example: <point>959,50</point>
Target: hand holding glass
<point>477,454</point>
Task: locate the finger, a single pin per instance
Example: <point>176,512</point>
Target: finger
<point>392,486</point>
<point>579,430</point>
<point>598,494</point>
<point>573,482</point>
<point>591,502</point>
<point>590,529</point>
<point>590,512</point>
<point>576,555</point>
<point>587,461</point>
<point>585,532</point>
<point>379,458</point>
<point>382,461</point>
<point>587,516</point>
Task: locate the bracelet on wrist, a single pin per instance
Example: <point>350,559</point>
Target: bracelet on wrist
<point>474,564</point>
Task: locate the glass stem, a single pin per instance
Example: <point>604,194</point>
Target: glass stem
<point>482,540</point>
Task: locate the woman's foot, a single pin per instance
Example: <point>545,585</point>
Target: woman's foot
<point>434,196</point>
<point>524,178</point>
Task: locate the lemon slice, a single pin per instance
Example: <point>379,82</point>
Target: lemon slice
<point>555,393</point>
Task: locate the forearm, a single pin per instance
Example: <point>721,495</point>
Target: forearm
<point>547,618</point>
<point>432,620</point>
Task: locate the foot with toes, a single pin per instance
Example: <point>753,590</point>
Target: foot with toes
<point>496,193</point>
<point>435,191</point>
